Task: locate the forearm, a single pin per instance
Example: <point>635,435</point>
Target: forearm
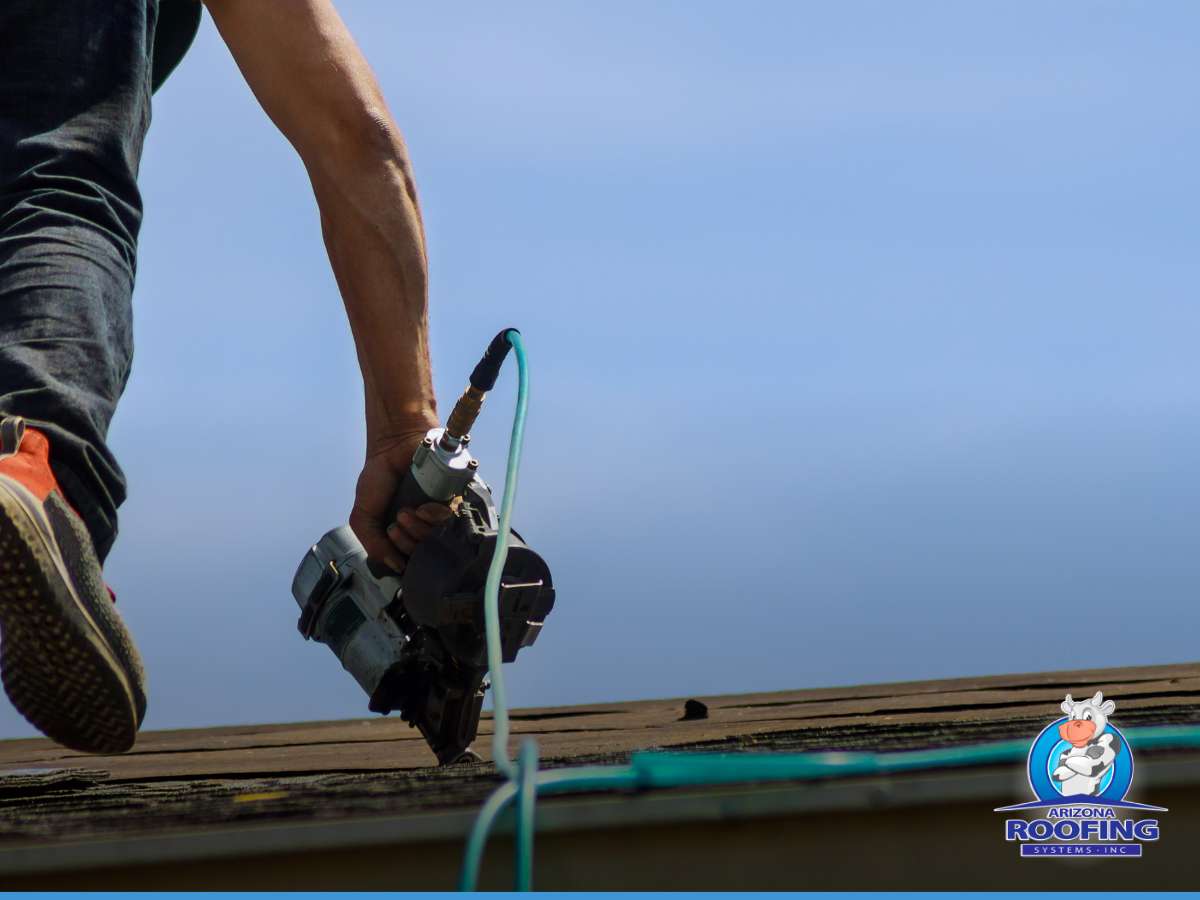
<point>372,228</point>
<point>312,80</point>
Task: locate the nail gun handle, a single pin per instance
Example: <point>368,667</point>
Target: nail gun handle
<point>410,495</point>
<point>440,471</point>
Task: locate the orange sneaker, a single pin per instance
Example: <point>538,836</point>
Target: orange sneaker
<point>66,660</point>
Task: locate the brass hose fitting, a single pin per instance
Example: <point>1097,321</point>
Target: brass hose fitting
<point>466,411</point>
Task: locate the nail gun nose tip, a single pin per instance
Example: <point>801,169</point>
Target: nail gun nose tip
<point>465,756</point>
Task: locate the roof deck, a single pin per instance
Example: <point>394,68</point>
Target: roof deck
<point>312,805</point>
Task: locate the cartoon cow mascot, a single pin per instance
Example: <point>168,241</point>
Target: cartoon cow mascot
<point>1082,768</point>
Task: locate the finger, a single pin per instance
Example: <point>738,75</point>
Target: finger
<point>380,549</point>
<point>434,513</point>
<point>417,529</point>
<point>371,536</point>
<point>400,539</point>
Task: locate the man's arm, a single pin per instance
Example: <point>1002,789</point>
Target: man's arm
<point>311,79</point>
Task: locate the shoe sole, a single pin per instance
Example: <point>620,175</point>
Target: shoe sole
<point>55,664</point>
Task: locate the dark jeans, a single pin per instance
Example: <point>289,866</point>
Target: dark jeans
<point>74,109</point>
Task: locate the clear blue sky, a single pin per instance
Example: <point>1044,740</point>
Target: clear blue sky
<point>863,338</point>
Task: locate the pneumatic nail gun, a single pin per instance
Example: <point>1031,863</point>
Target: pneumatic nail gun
<point>415,642</point>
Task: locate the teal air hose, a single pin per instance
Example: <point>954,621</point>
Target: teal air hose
<point>491,589</point>
<point>664,769</point>
<point>659,769</point>
<point>526,797</point>
<point>468,877</point>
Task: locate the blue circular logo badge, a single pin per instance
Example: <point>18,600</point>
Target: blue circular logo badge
<point>1055,778</point>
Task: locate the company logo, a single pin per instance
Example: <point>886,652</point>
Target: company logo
<point>1080,769</point>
